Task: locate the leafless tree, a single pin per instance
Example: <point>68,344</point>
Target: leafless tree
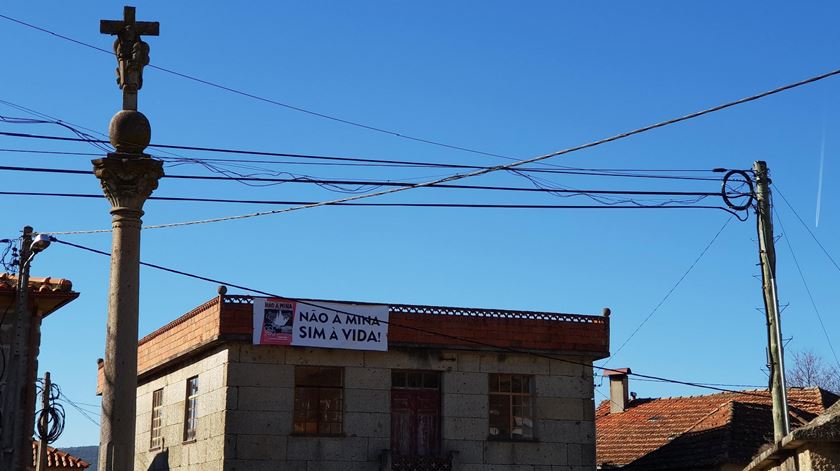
<point>809,370</point>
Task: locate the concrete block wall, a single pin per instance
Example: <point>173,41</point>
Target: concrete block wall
<point>261,400</point>
<point>207,451</point>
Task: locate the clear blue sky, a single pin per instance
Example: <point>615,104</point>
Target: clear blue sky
<point>500,77</point>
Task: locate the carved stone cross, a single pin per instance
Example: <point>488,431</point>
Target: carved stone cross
<point>131,51</point>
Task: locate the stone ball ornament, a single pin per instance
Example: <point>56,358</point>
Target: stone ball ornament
<point>130,132</point>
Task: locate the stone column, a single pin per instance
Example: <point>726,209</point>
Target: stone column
<point>128,177</point>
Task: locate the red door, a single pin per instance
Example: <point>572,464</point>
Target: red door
<point>415,413</point>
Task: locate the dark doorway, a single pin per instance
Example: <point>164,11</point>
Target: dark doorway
<point>415,413</point>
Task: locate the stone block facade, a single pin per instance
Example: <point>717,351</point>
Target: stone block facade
<point>246,403</point>
<point>207,450</point>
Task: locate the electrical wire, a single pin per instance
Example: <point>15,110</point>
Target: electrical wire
<point>358,161</point>
<point>179,160</point>
<point>592,172</point>
<point>670,291</point>
<point>50,420</point>
<point>423,330</point>
<point>807,289</point>
<point>710,384</point>
<point>475,173</point>
<point>396,205</point>
<point>81,411</point>
<point>271,101</point>
<point>834,262</point>
<point>10,265</point>
<point>380,183</point>
<point>399,134</point>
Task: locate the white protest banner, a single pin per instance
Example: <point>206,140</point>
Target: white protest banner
<point>322,324</point>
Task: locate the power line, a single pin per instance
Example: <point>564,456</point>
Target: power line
<point>627,173</point>
<point>274,102</point>
<point>395,205</point>
<point>776,187</point>
<point>309,180</point>
<point>51,152</point>
<point>474,173</point>
<point>671,291</point>
<point>711,384</point>
<point>81,411</point>
<point>419,329</point>
<point>807,289</point>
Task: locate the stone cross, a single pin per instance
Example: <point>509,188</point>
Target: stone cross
<point>128,177</point>
<point>131,51</point>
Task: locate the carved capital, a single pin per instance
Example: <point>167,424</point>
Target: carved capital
<point>128,180</point>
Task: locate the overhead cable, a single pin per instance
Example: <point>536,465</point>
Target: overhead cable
<point>807,289</point>
<point>822,247</point>
<point>383,205</point>
<point>605,172</point>
<point>380,183</point>
<point>271,101</point>
<point>423,330</point>
<point>670,291</point>
<point>474,173</point>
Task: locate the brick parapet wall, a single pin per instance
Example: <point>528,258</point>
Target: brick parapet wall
<point>231,318</point>
<point>571,333</point>
<point>197,327</point>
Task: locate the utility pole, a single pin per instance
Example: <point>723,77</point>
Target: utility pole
<point>128,177</point>
<point>14,412</point>
<point>767,258</point>
<point>43,425</point>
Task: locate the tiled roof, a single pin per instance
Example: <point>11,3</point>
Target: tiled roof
<point>46,294</point>
<point>57,459</point>
<point>8,282</point>
<point>670,433</point>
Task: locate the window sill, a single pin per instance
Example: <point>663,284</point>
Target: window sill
<point>318,435</point>
<point>187,442</point>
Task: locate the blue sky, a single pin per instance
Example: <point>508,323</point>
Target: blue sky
<point>500,77</point>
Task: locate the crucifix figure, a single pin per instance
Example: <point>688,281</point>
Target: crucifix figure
<point>131,51</point>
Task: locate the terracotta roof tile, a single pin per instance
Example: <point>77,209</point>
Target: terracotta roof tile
<point>714,429</point>
<point>57,459</point>
<point>9,281</point>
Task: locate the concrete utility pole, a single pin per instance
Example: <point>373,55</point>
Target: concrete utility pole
<point>43,425</point>
<point>14,397</point>
<point>128,177</point>
<point>767,257</point>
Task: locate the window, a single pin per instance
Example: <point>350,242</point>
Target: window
<point>511,407</point>
<point>190,418</point>
<point>318,400</point>
<point>157,420</point>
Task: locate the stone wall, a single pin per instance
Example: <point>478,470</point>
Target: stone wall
<point>821,456</point>
<point>261,397</point>
<point>207,451</point>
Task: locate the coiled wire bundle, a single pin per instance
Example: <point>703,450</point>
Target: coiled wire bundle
<point>49,422</point>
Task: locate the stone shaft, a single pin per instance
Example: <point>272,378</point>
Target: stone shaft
<point>127,181</point>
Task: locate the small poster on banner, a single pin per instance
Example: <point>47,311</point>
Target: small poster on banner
<point>273,319</point>
<point>320,324</point>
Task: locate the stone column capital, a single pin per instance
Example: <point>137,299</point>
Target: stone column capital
<point>128,179</point>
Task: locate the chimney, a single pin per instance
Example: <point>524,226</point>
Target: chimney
<point>619,390</point>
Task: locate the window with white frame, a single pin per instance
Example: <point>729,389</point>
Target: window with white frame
<point>156,441</point>
<point>190,402</point>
